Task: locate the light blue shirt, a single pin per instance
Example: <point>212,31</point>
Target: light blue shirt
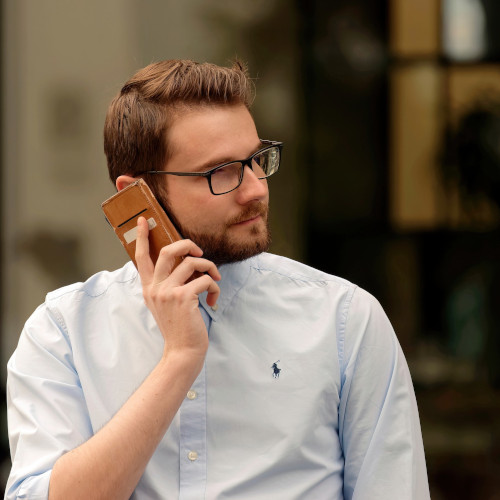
<point>305,392</point>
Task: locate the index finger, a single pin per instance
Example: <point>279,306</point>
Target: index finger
<point>143,260</point>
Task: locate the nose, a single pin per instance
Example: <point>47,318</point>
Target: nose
<point>251,188</point>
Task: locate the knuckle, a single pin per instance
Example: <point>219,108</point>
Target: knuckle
<point>191,261</point>
<point>209,281</point>
<point>153,294</point>
<point>165,250</point>
<point>161,296</point>
<point>177,294</point>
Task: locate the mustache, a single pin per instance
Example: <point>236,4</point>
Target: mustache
<point>260,208</point>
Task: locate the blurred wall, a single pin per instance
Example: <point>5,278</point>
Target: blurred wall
<point>62,63</point>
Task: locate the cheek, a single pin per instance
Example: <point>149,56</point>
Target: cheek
<point>196,208</point>
<point>182,202</point>
<point>197,212</point>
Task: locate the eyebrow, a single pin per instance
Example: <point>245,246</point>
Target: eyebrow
<point>220,161</point>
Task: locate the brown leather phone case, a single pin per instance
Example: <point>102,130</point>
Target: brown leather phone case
<point>124,208</point>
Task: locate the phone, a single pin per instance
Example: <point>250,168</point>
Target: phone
<point>124,208</point>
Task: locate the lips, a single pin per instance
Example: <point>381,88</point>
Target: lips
<point>249,220</point>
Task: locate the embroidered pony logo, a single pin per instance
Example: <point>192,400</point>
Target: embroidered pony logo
<point>276,370</point>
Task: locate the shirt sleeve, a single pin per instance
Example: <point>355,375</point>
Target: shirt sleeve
<point>379,426</point>
<point>47,414</point>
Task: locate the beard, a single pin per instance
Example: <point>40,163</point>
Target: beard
<point>219,247</point>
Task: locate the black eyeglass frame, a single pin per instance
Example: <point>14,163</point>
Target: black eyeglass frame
<point>208,174</point>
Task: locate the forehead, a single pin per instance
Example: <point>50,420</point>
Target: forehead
<point>203,132</point>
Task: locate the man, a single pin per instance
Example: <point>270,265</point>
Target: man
<point>261,378</point>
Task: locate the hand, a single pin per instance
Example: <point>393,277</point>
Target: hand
<point>171,297</point>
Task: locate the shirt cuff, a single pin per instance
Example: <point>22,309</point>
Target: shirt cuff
<point>35,487</point>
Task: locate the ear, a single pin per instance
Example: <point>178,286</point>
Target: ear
<point>123,181</point>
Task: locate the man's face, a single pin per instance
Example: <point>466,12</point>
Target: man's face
<point>228,227</point>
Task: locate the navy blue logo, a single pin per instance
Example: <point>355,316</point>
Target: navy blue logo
<point>276,370</point>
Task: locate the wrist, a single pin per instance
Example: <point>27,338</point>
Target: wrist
<point>186,362</point>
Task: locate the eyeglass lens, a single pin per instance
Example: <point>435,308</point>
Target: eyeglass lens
<point>229,176</point>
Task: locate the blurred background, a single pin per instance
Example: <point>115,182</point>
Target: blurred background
<point>390,114</point>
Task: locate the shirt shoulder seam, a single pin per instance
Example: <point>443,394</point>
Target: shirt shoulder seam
<point>53,310</point>
<point>83,290</point>
<point>326,278</point>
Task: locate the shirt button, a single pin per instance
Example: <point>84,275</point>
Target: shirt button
<point>215,307</point>
<point>192,455</point>
<point>192,394</point>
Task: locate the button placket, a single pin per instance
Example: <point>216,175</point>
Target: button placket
<point>193,441</point>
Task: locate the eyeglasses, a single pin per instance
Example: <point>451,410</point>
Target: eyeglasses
<point>228,176</point>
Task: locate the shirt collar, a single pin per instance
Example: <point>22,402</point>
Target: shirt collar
<point>234,276</point>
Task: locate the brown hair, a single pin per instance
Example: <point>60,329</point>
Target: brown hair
<point>137,120</point>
